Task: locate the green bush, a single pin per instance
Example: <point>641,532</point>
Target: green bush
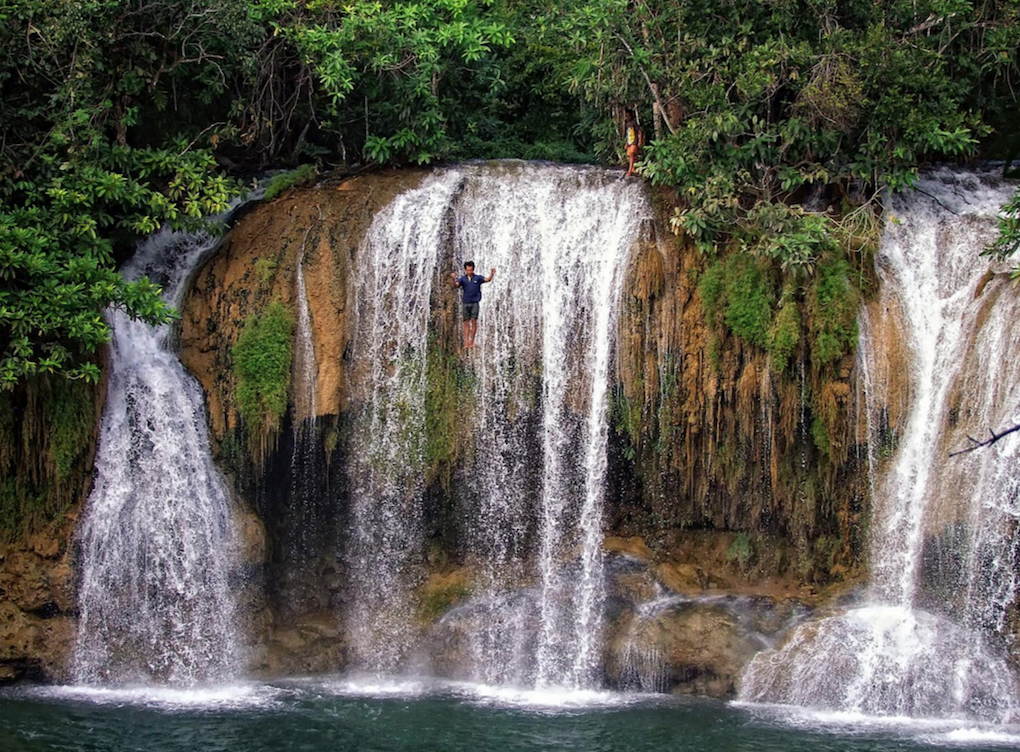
<point>262,359</point>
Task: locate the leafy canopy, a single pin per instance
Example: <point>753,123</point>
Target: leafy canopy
<point>776,124</point>
<point>80,78</point>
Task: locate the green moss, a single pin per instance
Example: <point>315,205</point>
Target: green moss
<point>740,549</point>
<point>23,508</point>
<point>6,431</point>
<point>303,175</point>
<point>262,359</point>
<point>330,441</point>
<point>832,301</point>
<point>711,288</point>
<point>445,379</point>
<point>70,420</point>
<point>749,300</point>
<point>437,601</point>
<point>738,290</point>
<point>821,437</point>
<point>265,268</point>
<point>10,510</point>
<point>826,550</point>
<point>784,337</point>
<point>626,415</point>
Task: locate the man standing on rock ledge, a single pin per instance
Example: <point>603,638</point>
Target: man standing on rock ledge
<point>471,296</point>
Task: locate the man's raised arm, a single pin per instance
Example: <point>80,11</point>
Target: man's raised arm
<point>492,273</point>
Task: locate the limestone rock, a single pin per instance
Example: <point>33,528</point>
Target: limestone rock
<point>313,644</point>
<point>698,645</point>
<point>633,546</point>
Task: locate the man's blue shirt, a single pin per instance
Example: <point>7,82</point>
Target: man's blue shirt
<point>472,288</point>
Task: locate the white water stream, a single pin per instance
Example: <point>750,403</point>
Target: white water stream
<point>396,268</point>
<point>157,537</point>
<point>560,239</point>
<point>929,640</point>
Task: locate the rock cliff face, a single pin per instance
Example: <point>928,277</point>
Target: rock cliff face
<point>47,447</point>
<point>257,265</point>
<point>37,604</point>
<point>713,462</point>
<point>293,610</point>
<point>715,440</point>
<point>718,487</point>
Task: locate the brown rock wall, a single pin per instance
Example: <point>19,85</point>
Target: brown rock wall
<point>37,602</point>
<point>258,265</point>
<point>719,440</point>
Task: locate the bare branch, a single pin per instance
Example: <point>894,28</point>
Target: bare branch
<point>975,444</point>
<point>651,87</point>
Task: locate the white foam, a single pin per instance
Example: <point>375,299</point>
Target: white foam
<point>935,731</point>
<point>228,696</point>
<point>369,686</point>
<point>549,698</point>
<point>978,736</point>
<point>805,717</point>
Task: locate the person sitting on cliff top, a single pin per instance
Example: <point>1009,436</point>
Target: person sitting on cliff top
<point>471,295</point>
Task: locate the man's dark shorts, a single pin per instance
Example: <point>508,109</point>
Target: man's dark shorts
<point>470,311</point>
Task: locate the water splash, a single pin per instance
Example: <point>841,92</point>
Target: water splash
<point>157,537</point>
<point>944,554</point>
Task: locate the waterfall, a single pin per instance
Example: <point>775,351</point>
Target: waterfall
<point>396,267</point>
<point>157,537</point>
<point>305,526</point>
<point>929,640</point>
<point>304,399</point>
<point>560,239</point>
<point>535,396</point>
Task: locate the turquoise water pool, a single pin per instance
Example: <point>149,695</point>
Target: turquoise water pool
<point>347,714</point>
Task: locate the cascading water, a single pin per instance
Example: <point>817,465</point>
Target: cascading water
<point>559,238</point>
<point>396,268</point>
<point>305,369</point>
<point>304,525</point>
<point>157,538</point>
<point>944,553</point>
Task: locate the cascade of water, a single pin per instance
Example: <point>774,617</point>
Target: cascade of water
<point>560,239</point>
<point>304,523</point>
<point>157,537</point>
<point>397,265</point>
<point>944,547</point>
<point>305,368</point>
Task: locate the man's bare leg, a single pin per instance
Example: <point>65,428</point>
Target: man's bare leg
<point>467,334</point>
<point>474,330</point>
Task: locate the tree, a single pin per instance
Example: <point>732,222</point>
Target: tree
<point>98,149</point>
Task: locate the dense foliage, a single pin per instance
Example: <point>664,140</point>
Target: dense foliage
<point>775,123</point>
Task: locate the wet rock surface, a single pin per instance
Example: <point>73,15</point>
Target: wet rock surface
<point>37,602</point>
<point>657,639</point>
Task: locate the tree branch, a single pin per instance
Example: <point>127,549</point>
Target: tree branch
<point>975,444</point>
<point>651,87</point>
